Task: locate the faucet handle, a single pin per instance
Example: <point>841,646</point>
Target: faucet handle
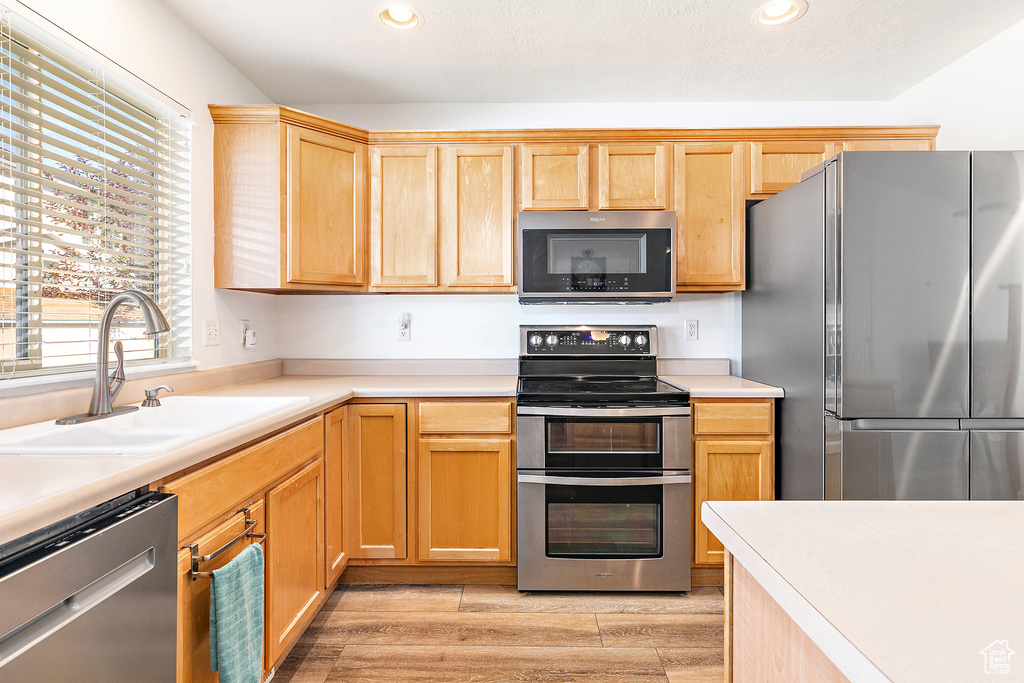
<point>116,378</point>
<point>151,396</point>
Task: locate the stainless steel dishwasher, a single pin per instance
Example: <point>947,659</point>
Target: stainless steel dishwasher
<point>93,597</point>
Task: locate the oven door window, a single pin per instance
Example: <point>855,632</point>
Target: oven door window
<point>595,522</point>
<point>599,443</point>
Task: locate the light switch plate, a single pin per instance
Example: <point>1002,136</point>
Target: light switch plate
<point>211,332</point>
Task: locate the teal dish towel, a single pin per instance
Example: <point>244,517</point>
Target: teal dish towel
<point>236,618</point>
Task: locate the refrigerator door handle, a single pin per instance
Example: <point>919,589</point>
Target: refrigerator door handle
<point>916,425</point>
<point>992,424</point>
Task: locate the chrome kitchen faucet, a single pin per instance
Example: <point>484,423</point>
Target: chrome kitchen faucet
<point>105,389</point>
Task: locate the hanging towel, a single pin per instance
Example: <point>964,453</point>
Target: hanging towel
<point>236,618</point>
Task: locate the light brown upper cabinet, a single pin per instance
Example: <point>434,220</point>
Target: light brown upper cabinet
<point>774,166</point>
<point>631,176</point>
<point>326,202</point>
<point>554,177</point>
<point>709,204</point>
<point>476,216</point>
<point>907,145</point>
<point>289,201</point>
<point>403,216</point>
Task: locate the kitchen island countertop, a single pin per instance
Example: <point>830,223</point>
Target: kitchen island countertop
<point>889,590</point>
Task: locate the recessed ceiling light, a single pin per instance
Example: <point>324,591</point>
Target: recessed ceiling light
<point>779,12</point>
<point>401,17</point>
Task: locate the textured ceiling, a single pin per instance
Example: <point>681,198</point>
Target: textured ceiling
<point>339,52</point>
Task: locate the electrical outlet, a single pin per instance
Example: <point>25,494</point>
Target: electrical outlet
<point>404,332</point>
<point>691,330</point>
<point>248,334</point>
<point>211,332</point>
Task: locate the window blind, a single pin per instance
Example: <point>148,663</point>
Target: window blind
<point>94,200</point>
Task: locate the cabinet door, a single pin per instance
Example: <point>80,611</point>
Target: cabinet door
<point>554,177</point>
<point>709,204</point>
<point>403,216</point>
<point>326,204</point>
<point>476,216</point>
<point>335,557</point>
<point>295,558</point>
<point>193,646</point>
<point>631,176</point>
<point>464,488</point>
<point>887,145</point>
<point>774,166</point>
<point>728,470</point>
<point>375,471</point>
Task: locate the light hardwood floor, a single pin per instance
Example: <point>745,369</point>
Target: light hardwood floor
<point>492,634</point>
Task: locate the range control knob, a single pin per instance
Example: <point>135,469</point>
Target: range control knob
<point>552,340</point>
<point>640,340</point>
<point>624,340</point>
<point>535,339</point>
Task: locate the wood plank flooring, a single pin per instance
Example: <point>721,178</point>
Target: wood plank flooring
<point>495,634</point>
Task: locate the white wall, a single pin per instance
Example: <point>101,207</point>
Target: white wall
<point>486,325</point>
<point>978,99</point>
<point>148,40</point>
<point>614,115</point>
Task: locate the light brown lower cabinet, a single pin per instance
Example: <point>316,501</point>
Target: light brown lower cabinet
<point>733,459</point>
<point>295,558</point>
<point>463,493</point>
<point>194,596</point>
<point>280,482</point>
<point>375,477</point>
<point>335,554</point>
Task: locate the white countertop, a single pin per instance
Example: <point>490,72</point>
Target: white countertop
<point>889,590</point>
<point>723,386</point>
<point>38,490</point>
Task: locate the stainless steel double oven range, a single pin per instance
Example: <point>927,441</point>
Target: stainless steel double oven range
<point>603,462</point>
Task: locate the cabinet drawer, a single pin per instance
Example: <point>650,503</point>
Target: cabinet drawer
<point>206,494</point>
<point>732,418</point>
<point>463,416</point>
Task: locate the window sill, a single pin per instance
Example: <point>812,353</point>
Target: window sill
<point>26,386</point>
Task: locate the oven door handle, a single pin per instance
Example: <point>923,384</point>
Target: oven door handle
<point>604,481</point>
<point>602,412</point>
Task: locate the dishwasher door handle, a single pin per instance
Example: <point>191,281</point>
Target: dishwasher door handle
<point>67,610</point>
<point>604,481</point>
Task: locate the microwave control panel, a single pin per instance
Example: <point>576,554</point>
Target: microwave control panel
<point>597,341</point>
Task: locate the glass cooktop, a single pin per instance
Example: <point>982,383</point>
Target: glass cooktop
<point>610,390</point>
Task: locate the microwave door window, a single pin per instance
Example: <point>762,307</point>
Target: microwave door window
<point>606,261</point>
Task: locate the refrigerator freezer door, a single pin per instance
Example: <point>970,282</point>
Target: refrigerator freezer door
<point>783,323</point>
<point>895,464</point>
<point>997,465</point>
<point>903,274</point>
<point>998,262</point>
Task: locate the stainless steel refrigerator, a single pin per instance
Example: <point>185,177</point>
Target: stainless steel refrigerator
<point>884,294</point>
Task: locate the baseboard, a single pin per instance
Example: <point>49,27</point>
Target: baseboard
<point>383,574</point>
<point>707,576</point>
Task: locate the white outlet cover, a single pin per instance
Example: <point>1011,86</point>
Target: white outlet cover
<point>211,332</point>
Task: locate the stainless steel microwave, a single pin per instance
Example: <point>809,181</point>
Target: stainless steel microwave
<point>596,257</point>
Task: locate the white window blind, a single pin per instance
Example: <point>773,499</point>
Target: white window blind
<point>94,200</point>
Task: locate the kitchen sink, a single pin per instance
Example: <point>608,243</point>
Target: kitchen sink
<point>178,421</point>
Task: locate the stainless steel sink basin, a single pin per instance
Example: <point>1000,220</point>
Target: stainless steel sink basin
<point>180,420</point>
